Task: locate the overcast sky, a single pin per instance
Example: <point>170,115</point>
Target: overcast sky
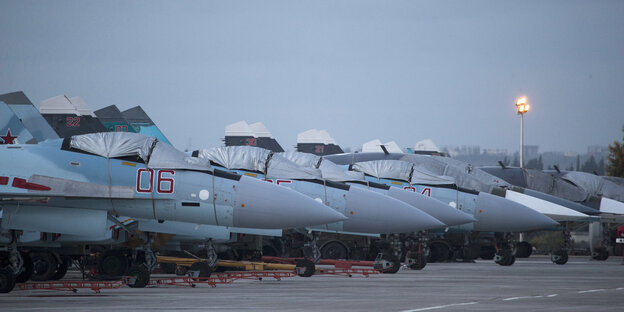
<point>393,70</point>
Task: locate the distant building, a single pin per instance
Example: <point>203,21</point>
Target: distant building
<point>596,149</point>
<point>495,151</point>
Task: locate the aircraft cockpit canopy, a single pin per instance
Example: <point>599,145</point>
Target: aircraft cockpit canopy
<point>155,154</point>
<point>257,159</point>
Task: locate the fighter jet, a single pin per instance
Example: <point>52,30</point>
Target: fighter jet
<point>466,179</point>
<point>412,246</point>
<point>71,186</point>
<point>362,207</point>
<point>589,193</point>
<point>64,245</point>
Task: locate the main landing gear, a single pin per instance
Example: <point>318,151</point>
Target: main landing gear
<point>503,243</point>
<point>560,256</point>
<point>13,266</point>
<point>137,263</point>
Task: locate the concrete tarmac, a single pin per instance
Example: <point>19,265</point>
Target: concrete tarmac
<point>529,285</point>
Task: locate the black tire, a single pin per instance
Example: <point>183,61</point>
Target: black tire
<point>112,262</point>
<point>27,269</point>
<point>44,264</point>
<point>396,264</point>
<point>61,269</point>
<point>505,258</point>
<point>523,250</point>
<point>7,281</point>
<point>202,269</point>
<point>141,275</point>
<point>334,250</point>
<point>559,257</point>
<point>420,261</point>
<point>600,254</point>
<point>305,268</point>
<point>487,252</point>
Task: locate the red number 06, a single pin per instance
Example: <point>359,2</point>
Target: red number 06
<point>164,185</point>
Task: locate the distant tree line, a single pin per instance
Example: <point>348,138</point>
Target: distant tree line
<point>615,160</point>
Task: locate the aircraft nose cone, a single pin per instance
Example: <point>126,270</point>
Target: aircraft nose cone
<point>370,212</point>
<point>262,205</point>
<point>437,209</point>
<point>497,214</point>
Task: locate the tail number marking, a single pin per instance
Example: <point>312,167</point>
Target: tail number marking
<point>164,181</point>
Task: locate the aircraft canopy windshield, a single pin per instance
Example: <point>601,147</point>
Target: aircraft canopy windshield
<point>465,175</point>
<point>595,185</point>
<point>121,144</point>
<point>259,160</point>
<point>402,170</point>
<point>329,170</point>
<point>546,183</point>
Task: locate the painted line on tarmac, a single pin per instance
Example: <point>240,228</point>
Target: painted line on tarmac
<point>589,291</point>
<point>441,306</point>
<point>529,297</point>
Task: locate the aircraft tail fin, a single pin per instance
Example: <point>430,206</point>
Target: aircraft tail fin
<point>28,116</point>
<point>69,116</point>
<point>317,142</point>
<point>143,124</point>
<point>256,134</point>
<point>113,120</point>
<point>12,130</point>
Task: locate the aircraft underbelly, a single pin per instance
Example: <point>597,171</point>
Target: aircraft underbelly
<point>54,220</point>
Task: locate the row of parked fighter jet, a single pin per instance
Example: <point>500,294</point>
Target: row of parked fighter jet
<point>108,177</point>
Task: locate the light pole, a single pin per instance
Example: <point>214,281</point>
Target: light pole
<point>522,107</point>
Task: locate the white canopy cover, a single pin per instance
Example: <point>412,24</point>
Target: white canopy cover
<point>258,159</point>
<point>119,144</point>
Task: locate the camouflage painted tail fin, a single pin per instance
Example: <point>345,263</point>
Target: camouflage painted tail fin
<point>317,142</point>
<point>242,134</point>
<point>143,124</point>
<point>69,116</point>
<point>113,120</point>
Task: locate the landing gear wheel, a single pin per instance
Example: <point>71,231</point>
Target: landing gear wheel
<point>141,276</point>
<point>200,269</point>
<point>523,250</point>
<point>27,269</point>
<point>7,281</point>
<point>112,263</point>
<point>600,254</point>
<point>419,261</point>
<point>395,264</point>
<point>559,257</point>
<point>504,258</point>
<point>61,269</point>
<point>181,270</point>
<point>334,250</point>
<point>44,264</point>
<point>487,252</point>
<point>305,268</point>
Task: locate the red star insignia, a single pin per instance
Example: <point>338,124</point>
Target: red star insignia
<point>8,138</point>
